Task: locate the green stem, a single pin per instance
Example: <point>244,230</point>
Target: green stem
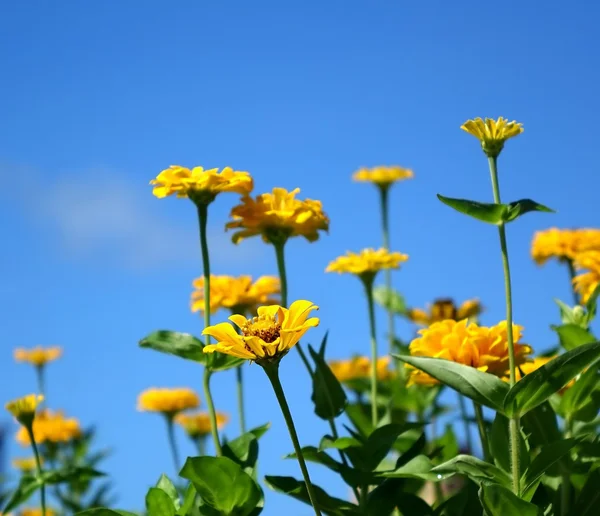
<point>514,422</point>
<point>572,274</point>
<point>172,443</point>
<point>272,371</point>
<point>201,445</point>
<point>279,253</point>
<point>211,412</point>
<point>39,373</point>
<point>335,435</point>
<point>38,465</point>
<point>465,419</point>
<point>368,283</point>
<point>384,190</point>
<point>485,443</point>
<point>240,398</point>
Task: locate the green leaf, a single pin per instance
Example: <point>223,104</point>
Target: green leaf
<point>575,315</point>
<point>341,443</point>
<point>165,483</point>
<point>411,504</point>
<point>27,486</point>
<point>328,394</point>
<point>380,442</point>
<point>579,394</point>
<point>486,212</point>
<point>244,451</point>
<point>540,426</point>
<point>518,208</point>
<point>483,388</point>
<point>222,484</point>
<point>591,305</point>
<point>500,443</point>
<point>465,502</point>
<point>159,503</point>
<point>418,467</point>
<point>537,386</point>
<point>188,500</point>
<point>70,474</point>
<point>182,345</point>
<point>104,511</point>
<point>572,336</point>
<point>221,362</point>
<point>389,299</point>
<point>389,495</point>
<point>477,470</point>
<point>259,431</point>
<point>497,500</point>
<point>589,499</point>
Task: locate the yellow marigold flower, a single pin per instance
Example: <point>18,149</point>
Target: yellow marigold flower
<point>200,185</point>
<point>25,464</point>
<point>35,511</point>
<point>367,263</point>
<point>267,337</point>
<point>278,216</point>
<point>563,244</point>
<point>481,347</point>
<point>443,309</point>
<point>168,401</point>
<point>586,283</point>
<point>235,293</point>
<point>198,424</point>
<point>492,133</point>
<point>24,408</point>
<point>529,367</point>
<point>51,427</point>
<point>383,176</point>
<point>37,356</point>
<point>359,367</point>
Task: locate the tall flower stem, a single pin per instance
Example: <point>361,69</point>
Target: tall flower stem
<point>572,274</point>
<point>368,283</point>
<point>172,443</point>
<point>383,191</point>
<point>239,380</point>
<point>279,252</point>
<point>201,445</point>
<point>38,465</point>
<point>465,419</point>
<point>272,371</point>
<point>514,421</point>
<point>39,373</point>
<point>485,443</point>
<point>203,220</point>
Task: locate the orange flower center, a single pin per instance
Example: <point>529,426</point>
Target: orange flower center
<point>264,327</point>
<point>443,309</point>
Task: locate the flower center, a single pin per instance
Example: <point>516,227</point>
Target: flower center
<point>264,327</point>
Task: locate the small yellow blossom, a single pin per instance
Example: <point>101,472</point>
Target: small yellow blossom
<point>586,283</point>
<point>24,408</point>
<point>485,348</point>
<point>278,216</point>
<point>492,133</point>
<point>37,356</point>
<point>563,244</point>
<point>200,185</point>
<point>266,337</point>
<point>383,176</point>
<point>443,309</point>
<point>235,293</point>
<point>35,511</point>
<point>367,263</point>
<point>198,424</point>
<point>51,427</point>
<point>25,464</point>
<point>168,401</point>
<point>359,367</point>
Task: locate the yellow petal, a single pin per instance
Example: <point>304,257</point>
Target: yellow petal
<point>239,320</point>
<point>222,332</point>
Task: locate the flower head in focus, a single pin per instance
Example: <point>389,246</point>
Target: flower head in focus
<point>200,185</point>
<point>563,244</point>
<point>481,347</point>
<point>587,282</point>
<point>37,356</point>
<point>25,464</point>
<point>359,367</point>
<point>52,427</point>
<point>167,401</point>
<point>383,176</point>
<point>23,409</point>
<point>278,216</point>
<point>267,337</point>
<point>443,309</point>
<point>367,263</point>
<point>198,424</point>
<point>492,133</point>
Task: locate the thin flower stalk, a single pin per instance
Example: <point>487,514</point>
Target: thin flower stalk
<point>368,283</point>
<point>485,444</point>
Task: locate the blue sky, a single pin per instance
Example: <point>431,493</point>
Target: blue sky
<point>98,97</point>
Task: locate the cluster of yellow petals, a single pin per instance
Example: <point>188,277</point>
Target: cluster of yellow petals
<point>168,401</point>
<point>563,244</point>
<point>359,367</point>
<point>382,175</point>
<point>236,293</point>
<point>25,464</point>
<point>270,335</point>
<point>492,133</point>
<point>24,407</point>
<point>278,213</point>
<point>367,261</point>
<point>481,347</point>
<point>51,427</point>
<point>185,182</point>
<point>36,511</point>
<point>586,282</point>
<point>37,356</point>
<point>198,424</point>
<point>443,309</point>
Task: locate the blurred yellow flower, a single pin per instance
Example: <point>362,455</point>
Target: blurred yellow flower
<point>25,464</point>
<point>586,283</point>
<point>269,336</point>
<point>359,367</point>
<point>563,244</point>
<point>278,216</point>
<point>485,348</point>
<point>35,511</point>
<point>367,262</point>
<point>529,367</point>
<point>51,427</point>
<point>235,293</point>
<point>24,408</point>
<point>200,185</point>
<point>37,356</point>
<point>198,424</point>
<point>492,133</point>
<point>383,176</point>
<point>443,309</point>
<point>167,401</point>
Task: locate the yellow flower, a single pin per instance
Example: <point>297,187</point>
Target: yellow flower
<point>237,293</point>
<point>25,464</point>
<point>198,424</point>
<point>168,401</point>
<point>278,216</point>
<point>563,244</point>
<point>31,511</point>
<point>200,185</point>
<point>359,367</point>
<point>37,356</point>
<point>24,408</point>
<point>383,176</point>
<point>443,309</point>
<point>586,283</point>
<point>492,133</point>
<point>481,347</point>
<point>366,263</point>
<point>267,337</point>
<point>529,367</point>
<point>51,427</point>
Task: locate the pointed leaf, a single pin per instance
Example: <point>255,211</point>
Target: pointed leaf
<point>500,501</point>
<point>572,336</point>
<point>159,503</point>
<point>188,500</point>
<point>590,305</point>
<point>182,345</point>
<point>500,442</point>
<point>341,443</point>
<point>259,431</point>
<point>579,394</point>
<point>476,469</point>
<point>27,486</point>
<point>244,451</point>
<point>486,212</point>
<point>221,362</point>
<point>380,442</point>
<point>165,483</point>
<point>328,394</point>
<point>518,208</point>
<point>589,499</point>
<point>418,467</point>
